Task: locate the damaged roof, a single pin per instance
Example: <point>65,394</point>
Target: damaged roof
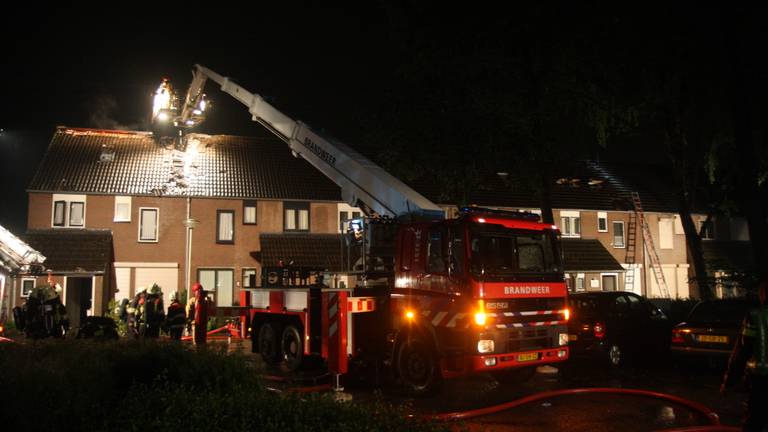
<point>73,250</point>
<point>218,166</point>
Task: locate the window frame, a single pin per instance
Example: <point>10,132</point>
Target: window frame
<point>82,214</point>
<point>256,277</point>
<point>602,217</point>
<point>246,205</point>
<point>122,200</point>
<point>157,224</point>
<point>214,290</point>
<point>63,223</point>
<point>27,279</point>
<point>219,240</point>
<point>623,235</point>
<point>297,207</point>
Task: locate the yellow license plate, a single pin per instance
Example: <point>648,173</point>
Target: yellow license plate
<point>712,339</point>
<point>573,337</point>
<point>527,357</point>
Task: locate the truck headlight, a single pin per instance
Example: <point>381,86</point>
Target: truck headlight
<point>485,346</point>
<point>563,339</point>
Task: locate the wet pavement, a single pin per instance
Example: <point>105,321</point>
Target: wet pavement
<point>697,381</point>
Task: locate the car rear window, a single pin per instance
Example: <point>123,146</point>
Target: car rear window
<point>584,305</point>
<point>719,312</point>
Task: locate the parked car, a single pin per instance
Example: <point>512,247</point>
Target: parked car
<point>711,328</point>
<point>615,325</point>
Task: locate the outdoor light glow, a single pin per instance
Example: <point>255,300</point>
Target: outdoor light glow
<point>197,112</point>
<point>202,105</point>
<point>480,316</point>
<point>162,99</point>
<point>190,122</point>
<point>162,116</point>
<point>410,315</point>
<point>567,314</point>
<point>481,220</point>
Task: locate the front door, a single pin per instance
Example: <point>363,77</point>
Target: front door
<point>609,283</point>
<point>78,299</point>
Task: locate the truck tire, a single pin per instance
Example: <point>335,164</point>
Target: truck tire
<point>513,376</point>
<point>291,348</point>
<point>269,346</point>
<point>417,367</point>
<point>616,355</point>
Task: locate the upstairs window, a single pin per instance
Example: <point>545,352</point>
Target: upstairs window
<point>68,211</point>
<point>122,209</point>
<point>570,224</point>
<point>602,222</point>
<point>618,234</point>
<point>225,228</point>
<point>249,212</point>
<point>345,217</point>
<point>296,216</point>
<point>148,224</point>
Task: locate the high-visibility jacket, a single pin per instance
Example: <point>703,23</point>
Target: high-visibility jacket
<point>755,333</point>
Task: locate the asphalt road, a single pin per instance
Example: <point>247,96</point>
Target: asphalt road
<point>696,380</point>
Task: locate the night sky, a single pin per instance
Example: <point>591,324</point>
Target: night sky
<point>332,67</point>
<point>97,67</point>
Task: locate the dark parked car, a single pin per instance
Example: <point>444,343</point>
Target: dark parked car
<point>615,325</point>
<point>711,328</point>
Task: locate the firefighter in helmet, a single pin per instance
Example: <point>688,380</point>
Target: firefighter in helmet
<point>749,361</point>
<point>154,312</point>
<point>176,318</point>
<point>201,309</point>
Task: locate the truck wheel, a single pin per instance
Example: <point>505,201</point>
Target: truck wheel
<point>514,375</point>
<point>291,348</point>
<point>417,367</point>
<point>269,347</point>
<point>616,356</point>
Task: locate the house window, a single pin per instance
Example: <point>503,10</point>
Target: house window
<point>707,229</point>
<point>602,222</point>
<point>220,285</point>
<point>225,228</point>
<point>122,209</point>
<point>345,217</point>
<point>249,278</point>
<point>580,282</point>
<point>59,213</point>
<point>249,212</point>
<point>570,224</point>
<point>68,211</point>
<point>618,234</point>
<point>76,214</point>
<point>148,224</point>
<point>27,285</point>
<point>296,216</point>
<point>666,227</point>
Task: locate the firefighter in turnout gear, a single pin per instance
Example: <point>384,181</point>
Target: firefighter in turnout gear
<point>201,308</point>
<point>749,361</point>
<point>43,314</point>
<point>176,318</point>
<point>154,312</point>
<point>135,319</point>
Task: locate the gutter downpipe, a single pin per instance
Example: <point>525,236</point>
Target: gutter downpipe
<point>188,250</point>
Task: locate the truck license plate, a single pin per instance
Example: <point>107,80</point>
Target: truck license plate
<point>712,338</point>
<point>527,357</point>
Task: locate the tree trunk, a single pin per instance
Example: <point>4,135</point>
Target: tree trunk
<point>695,252</point>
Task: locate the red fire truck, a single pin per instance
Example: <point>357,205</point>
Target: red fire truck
<point>426,296</point>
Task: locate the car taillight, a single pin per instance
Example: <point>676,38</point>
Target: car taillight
<point>599,330</point>
<point>677,336</point>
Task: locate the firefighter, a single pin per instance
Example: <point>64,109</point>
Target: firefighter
<point>202,304</point>
<point>56,319</point>
<point>140,317</point>
<point>176,318</point>
<point>130,317</point>
<point>154,312</point>
<point>749,361</point>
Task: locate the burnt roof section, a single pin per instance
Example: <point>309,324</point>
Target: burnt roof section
<point>218,166</point>
<point>70,250</point>
<point>585,185</point>
<point>588,255</point>
<point>325,251</point>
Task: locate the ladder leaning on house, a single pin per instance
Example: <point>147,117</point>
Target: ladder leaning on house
<point>629,258</point>
<point>658,272</point>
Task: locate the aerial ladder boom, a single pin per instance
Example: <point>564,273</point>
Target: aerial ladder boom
<point>361,180</point>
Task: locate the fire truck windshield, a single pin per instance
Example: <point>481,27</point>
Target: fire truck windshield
<point>500,251</point>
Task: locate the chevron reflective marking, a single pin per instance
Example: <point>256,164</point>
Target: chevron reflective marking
<point>530,324</point>
<point>333,310</point>
<point>438,317</point>
<point>452,322</point>
<point>332,329</point>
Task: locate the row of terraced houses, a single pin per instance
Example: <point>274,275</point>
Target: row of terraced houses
<point>114,211</point>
